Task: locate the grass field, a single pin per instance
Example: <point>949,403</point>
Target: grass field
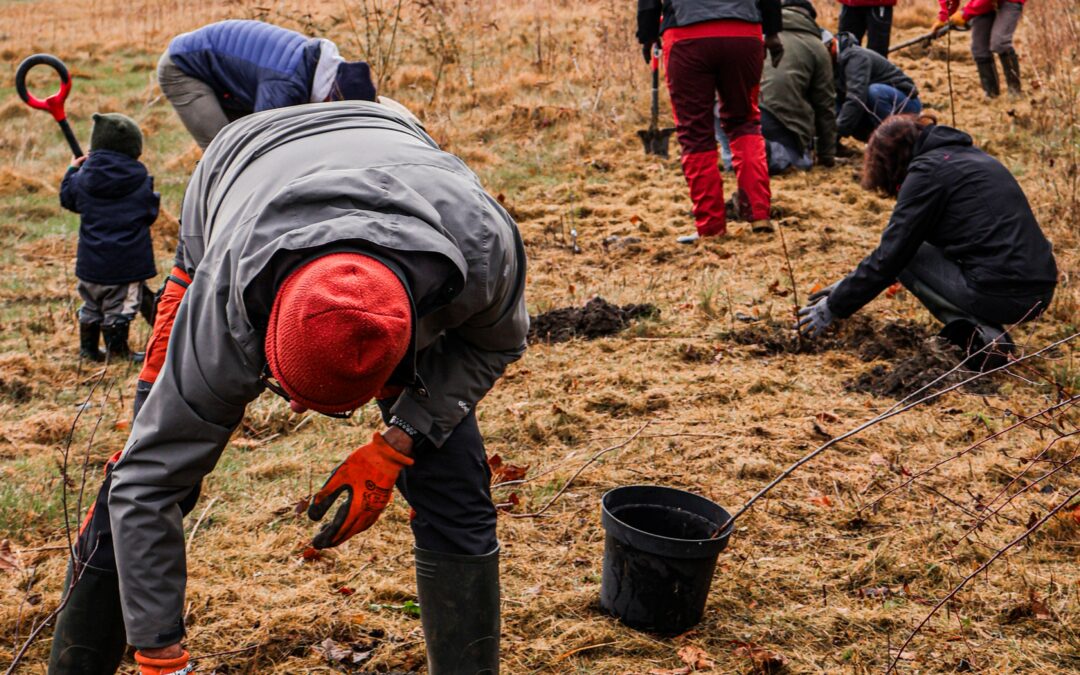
<point>543,100</point>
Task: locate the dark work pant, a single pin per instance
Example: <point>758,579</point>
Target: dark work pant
<point>992,33</point>
<point>873,22</point>
<point>700,71</point>
<point>940,285</point>
<point>450,490</point>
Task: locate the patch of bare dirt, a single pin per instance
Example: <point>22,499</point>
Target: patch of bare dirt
<point>597,318</point>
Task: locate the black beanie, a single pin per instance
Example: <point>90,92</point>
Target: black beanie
<point>801,4</point>
<point>116,132</point>
<point>353,82</point>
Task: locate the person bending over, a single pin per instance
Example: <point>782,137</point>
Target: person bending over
<point>962,238</point>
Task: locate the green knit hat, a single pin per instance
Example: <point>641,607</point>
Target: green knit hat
<point>116,132</point>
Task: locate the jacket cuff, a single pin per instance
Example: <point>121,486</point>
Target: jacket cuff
<point>410,410</point>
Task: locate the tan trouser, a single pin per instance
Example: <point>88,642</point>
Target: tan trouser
<point>194,101</point>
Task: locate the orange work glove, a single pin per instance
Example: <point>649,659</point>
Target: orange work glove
<point>175,666</point>
<point>938,25</point>
<point>368,476</point>
<point>957,19</point>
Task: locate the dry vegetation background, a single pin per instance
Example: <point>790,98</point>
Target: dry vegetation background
<point>543,99</point>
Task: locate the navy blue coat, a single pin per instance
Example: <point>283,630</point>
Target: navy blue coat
<point>114,195</point>
<point>250,65</point>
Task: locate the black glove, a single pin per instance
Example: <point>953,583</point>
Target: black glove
<point>646,51</point>
<point>775,48</point>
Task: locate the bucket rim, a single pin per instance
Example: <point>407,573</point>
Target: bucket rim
<point>720,538</point>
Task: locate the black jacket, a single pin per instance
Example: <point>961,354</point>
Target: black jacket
<point>115,196</point>
<point>689,12</point>
<point>856,69</point>
<point>963,201</point>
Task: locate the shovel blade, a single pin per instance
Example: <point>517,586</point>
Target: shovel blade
<point>656,141</point>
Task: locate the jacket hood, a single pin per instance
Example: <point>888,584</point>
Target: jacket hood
<point>110,174</point>
<point>845,40</point>
<point>797,21</point>
<point>939,136</point>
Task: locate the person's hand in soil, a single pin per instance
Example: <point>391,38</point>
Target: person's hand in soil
<point>815,318</point>
<point>822,293</point>
<point>367,478</point>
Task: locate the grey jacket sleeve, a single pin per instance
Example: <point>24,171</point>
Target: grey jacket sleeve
<point>177,438</point>
<point>462,365</point>
<point>857,87</point>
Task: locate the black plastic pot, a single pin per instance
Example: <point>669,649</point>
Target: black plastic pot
<point>660,551</point>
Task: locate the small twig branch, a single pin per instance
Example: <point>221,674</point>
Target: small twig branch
<point>892,412</point>
<point>577,473</point>
<point>198,522</point>
<point>794,287</point>
<point>993,512</point>
<point>956,589</point>
<point>971,448</point>
<point>230,652</point>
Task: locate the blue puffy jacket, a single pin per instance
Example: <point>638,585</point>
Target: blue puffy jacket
<point>114,194</point>
<point>250,65</point>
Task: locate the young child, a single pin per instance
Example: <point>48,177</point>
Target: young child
<point>114,195</point>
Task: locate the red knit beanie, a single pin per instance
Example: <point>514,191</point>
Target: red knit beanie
<point>339,326</point>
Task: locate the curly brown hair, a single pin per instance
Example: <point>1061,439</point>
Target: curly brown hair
<point>888,152</point>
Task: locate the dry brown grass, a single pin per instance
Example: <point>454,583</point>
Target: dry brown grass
<point>543,99</point>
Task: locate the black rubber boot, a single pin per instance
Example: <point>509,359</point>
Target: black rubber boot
<point>459,610</point>
<point>89,333</point>
<point>89,638</point>
<point>988,76</point>
<point>116,342</point>
<point>985,346</point>
<point>1010,65</point>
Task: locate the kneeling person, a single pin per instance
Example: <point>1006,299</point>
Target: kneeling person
<point>869,88</point>
<point>962,238</point>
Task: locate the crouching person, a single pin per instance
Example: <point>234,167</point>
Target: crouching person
<point>798,98</point>
<point>962,238</point>
<point>334,255</point>
<point>869,88</point>
<point>114,196</point>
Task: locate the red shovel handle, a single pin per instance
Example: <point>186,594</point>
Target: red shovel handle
<point>55,103</point>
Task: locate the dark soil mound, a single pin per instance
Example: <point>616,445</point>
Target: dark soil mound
<point>917,357</point>
<point>596,319</point>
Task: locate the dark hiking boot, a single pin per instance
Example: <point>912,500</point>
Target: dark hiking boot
<point>1010,65</point>
<point>985,346</point>
<point>89,638</point>
<point>89,333</point>
<point>459,610</point>
<point>988,77</point>
<point>116,342</point>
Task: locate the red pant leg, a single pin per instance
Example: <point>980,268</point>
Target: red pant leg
<point>738,85</point>
<point>690,79</point>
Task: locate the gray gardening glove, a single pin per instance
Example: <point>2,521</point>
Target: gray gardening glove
<point>815,318</point>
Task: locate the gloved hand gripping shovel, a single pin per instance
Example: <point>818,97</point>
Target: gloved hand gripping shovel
<point>926,38</point>
<point>655,139</point>
<point>54,104</point>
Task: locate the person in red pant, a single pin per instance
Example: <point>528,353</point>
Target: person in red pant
<point>872,18</point>
<point>713,49</point>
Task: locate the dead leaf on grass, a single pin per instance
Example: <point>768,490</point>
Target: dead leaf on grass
<point>1032,608</point>
<point>502,472</point>
<point>335,652</point>
<point>696,658</point>
<point>821,500</point>
<point>9,560</point>
<point>763,660</point>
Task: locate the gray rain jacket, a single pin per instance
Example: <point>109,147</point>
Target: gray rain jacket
<point>273,190</point>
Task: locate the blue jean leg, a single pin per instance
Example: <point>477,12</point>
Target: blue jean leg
<point>884,100</point>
